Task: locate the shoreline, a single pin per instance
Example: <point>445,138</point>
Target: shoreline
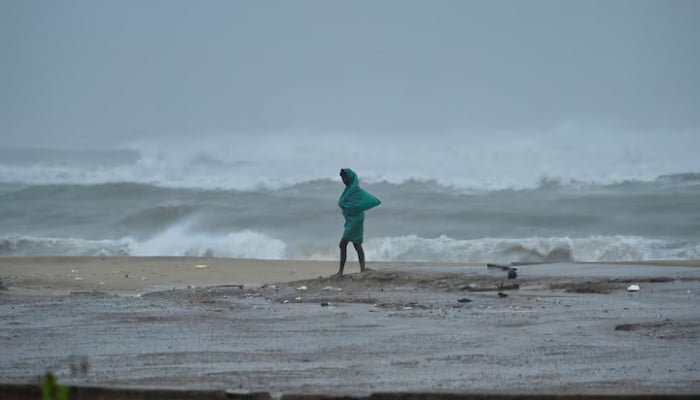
<point>132,275</point>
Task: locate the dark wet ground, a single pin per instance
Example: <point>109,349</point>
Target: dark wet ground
<point>379,331</point>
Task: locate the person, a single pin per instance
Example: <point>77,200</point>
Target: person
<point>353,202</point>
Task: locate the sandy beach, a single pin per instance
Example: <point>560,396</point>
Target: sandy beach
<point>289,327</point>
<point>125,275</point>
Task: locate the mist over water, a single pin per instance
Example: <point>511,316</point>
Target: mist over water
<point>467,161</point>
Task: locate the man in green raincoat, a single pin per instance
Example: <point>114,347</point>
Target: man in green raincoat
<point>353,202</point>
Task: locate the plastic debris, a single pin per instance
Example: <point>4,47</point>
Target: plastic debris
<point>334,289</point>
<point>200,266</point>
<point>285,302</point>
<point>633,288</point>
<point>302,288</point>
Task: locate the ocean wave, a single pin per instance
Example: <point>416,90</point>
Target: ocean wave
<point>68,185</point>
<point>30,246</point>
<point>171,242</point>
<point>178,241</point>
<point>280,162</point>
<point>538,249</point>
<point>688,178</point>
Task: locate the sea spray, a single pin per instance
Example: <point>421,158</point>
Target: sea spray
<point>462,160</point>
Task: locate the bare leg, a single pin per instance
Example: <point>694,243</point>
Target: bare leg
<point>360,255</point>
<point>343,255</point>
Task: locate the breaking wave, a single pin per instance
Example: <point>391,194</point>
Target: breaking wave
<point>256,245</point>
<point>553,249</point>
<point>243,244</point>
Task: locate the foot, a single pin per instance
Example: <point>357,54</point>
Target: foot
<point>366,269</point>
<point>337,275</point>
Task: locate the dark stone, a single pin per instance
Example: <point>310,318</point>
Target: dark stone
<point>464,300</point>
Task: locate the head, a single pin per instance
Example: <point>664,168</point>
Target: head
<point>344,177</point>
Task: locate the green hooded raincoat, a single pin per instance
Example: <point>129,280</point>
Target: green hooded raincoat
<point>354,202</point>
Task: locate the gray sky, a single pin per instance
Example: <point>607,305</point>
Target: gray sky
<point>101,71</point>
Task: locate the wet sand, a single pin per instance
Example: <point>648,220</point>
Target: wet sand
<point>567,328</point>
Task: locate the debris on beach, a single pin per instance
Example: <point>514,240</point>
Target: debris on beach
<point>512,286</point>
<point>325,304</point>
<point>302,288</point>
<point>200,266</point>
<point>601,287</point>
<point>633,288</point>
<point>464,300</point>
<point>501,294</point>
<point>472,287</point>
<point>333,289</point>
<point>511,272</point>
<point>234,286</point>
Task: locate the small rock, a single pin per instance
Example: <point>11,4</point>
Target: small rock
<point>464,300</point>
<point>325,304</point>
<point>501,294</point>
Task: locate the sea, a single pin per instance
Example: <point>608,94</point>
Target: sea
<point>509,197</point>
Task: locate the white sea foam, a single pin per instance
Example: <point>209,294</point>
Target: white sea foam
<point>464,160</point>
<point>22,245</point>
<point>179,241</point>
<point>243,244</point>
<point>539,249</point>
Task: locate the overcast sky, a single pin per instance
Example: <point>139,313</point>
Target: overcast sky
<point>100,71</point>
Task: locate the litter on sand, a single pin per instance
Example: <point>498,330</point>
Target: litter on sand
<point>633,288</point>
<point>200,266</point>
